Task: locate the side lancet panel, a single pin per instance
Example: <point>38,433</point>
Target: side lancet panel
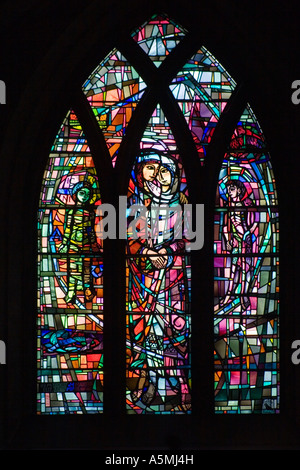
<point>246,282</point>
<point>70,279</point>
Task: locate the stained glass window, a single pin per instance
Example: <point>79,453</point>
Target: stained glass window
<point>158,301</point>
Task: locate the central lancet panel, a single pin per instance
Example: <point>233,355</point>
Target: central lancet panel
<point>158,316</point>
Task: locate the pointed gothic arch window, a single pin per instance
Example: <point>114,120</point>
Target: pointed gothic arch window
<point>160,99</point>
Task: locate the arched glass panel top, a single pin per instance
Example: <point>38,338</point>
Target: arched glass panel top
<point>113,91</point>
<point>202,89</point>
<point>158,37</point>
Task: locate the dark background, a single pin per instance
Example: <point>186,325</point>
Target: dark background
<point>47,49</point>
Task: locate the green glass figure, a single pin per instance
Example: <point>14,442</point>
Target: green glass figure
<point>80,242</point>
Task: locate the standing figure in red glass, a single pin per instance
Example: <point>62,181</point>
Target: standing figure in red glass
<point>240,235</point>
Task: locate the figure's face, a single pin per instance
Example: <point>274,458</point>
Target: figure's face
<point>150,171</point>
<point>164,176</point>
<point>83,195</point>
<point>233,192</point>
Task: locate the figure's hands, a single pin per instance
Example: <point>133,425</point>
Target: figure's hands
<point>158,258</point>
<point>164,254</point>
